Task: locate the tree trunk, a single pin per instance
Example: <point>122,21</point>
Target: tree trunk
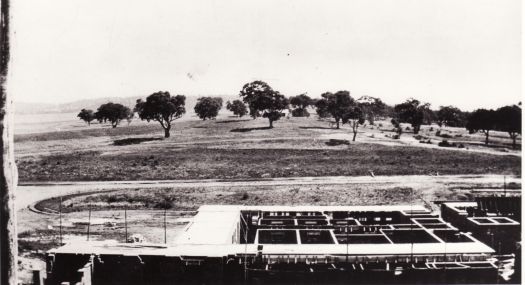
<point>271,123</point>
<point>513,136</point>
<point>355,125</point>
<point>371,120</point>
<point>8,175</point>
<point>337,122</point>
<point>486,137</point>
<point>167,132</point>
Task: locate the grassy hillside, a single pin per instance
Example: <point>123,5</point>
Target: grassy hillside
<point>233,148</point>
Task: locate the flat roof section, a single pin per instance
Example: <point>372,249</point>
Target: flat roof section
<point>215,232</point>
<point>493,221</point>
<point>212,225</point>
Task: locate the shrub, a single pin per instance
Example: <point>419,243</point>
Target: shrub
<point>420,137</point>
<point>112,199</point>
<point>513,185</point>
<point>165,204</point>
<point>244,195</point>
<point>300,113</point>
<point>445,143</point>
<point>439,134</point>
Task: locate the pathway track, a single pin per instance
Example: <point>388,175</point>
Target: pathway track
<point>30,193</point>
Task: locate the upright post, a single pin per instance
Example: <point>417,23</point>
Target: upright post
<point>411,225</point>
<point>8,175</point>
<point>60,220</point>
<point>347,242</point>
<point>126,222</point>
<point>504,185</point>
<point>165,231</point>
<point>89,221</point>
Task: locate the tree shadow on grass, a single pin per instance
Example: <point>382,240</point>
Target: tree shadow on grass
<point>244,130</point>
<point>317,128</point>
<point>231,121</point>
<point>493,145</point>
<point>335,142</point>
<point>129,141</point>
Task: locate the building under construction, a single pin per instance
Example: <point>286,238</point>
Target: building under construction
<point>294,245</point>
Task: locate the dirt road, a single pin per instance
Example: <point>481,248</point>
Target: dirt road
<point>30,193</point>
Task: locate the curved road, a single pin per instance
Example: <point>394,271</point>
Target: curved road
<point>30,193</point>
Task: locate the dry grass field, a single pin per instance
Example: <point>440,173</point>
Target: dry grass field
<point>233,148</point>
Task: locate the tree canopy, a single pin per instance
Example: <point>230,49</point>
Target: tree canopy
<point>354,116</point>
<point>372,108</point>
<point>412,111</point>
<point>163,108</point>
<point>300,103</point>
<point>86,115</point>
<point>237,107</point>
<point>208,107</point>
<point>450,116</point>
<point>321,108</point>
<point>335,104</point>
<point>482,120</point>
<point>508,119</point>
<point>264,101</point>
<point>113,113</point>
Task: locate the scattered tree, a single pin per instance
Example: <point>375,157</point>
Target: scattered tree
<point>237,107</point>
<point>429,115</point>
<point>372,108</point>
<point>482,120</point>
<point>208,107</point>
<point>508,119</point>
<point>264,101</point>
<point>413,112</point>
<point>163,108</point>
<point>300,103</point>
<point>450,116</point>
<point>354,116</point>
<point>113,113</point>
<point>397,126</point>
<point>86,116</point>
<point>321,108</point>
<point>336,105</point>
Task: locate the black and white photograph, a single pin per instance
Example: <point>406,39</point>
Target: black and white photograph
<point>250,142</point>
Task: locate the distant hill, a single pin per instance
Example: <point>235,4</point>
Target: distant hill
<point>93,104</point>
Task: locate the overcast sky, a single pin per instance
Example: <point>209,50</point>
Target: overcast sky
<point>460,52</point>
